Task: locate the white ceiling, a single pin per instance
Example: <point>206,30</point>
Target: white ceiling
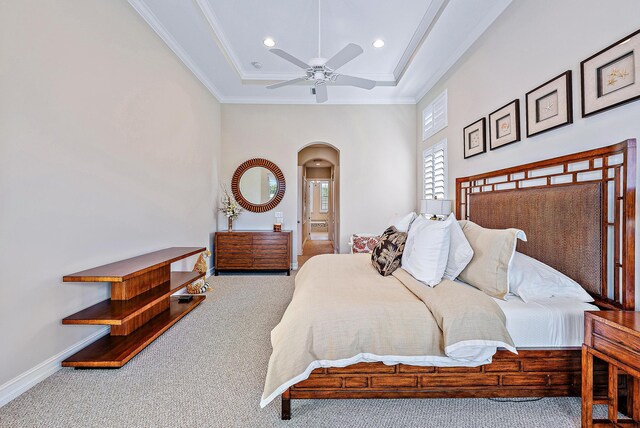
<point>219,39</point>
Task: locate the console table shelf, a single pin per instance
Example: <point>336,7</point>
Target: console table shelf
<point>116,351</point>
<point>117,312</point>
<point>140,309</point>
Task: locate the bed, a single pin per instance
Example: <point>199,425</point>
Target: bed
<point>579,214</point>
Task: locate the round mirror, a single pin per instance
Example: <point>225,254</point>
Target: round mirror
<point>258,185</point>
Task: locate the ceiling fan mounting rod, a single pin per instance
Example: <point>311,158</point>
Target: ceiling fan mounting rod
<point>319,31</point>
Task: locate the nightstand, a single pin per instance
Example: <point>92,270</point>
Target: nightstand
<point>613,337</point>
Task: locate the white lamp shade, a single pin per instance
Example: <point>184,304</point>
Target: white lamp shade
<point>435,206</point>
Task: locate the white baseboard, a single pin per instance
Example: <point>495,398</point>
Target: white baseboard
<point>31,377</point>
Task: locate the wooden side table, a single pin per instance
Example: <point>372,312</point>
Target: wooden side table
<point>613,337</point>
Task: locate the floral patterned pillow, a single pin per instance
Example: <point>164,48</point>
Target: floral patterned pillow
<point>364,244</point>
<point>387,254</point>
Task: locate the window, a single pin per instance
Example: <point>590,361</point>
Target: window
<point>324,196</point>
<point>434,116</point>
<point>435,171</point>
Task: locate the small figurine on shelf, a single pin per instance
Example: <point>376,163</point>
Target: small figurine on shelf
<point>230,208</point>
<point>201,285</point>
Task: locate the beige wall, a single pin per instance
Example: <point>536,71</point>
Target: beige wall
<point>377,157</point>
<point>530,43</point>
<point>318,172</point>
<point>109,148</point>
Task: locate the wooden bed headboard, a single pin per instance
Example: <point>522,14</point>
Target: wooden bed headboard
<point>578,212</point>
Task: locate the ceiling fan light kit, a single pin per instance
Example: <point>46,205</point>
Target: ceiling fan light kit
<point>321,71</point>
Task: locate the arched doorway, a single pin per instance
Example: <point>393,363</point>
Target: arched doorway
<point>318,200</point>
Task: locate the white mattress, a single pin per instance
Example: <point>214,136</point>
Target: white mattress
<point>555,322</point>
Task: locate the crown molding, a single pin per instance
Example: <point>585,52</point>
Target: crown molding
<point>143,10</point>
<point>471,38</point>
<point>429,20</point>
<point>311,101</point>
<point>221,39</point>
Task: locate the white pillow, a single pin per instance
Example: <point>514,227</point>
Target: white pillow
<point>403,223</point>
<point>532,280</point>
<point>460,251</point>
<point>427,250</point>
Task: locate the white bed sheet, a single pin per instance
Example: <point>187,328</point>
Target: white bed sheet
<point>554,322</point>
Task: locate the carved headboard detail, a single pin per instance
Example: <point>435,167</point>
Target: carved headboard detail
<point>578,212</point>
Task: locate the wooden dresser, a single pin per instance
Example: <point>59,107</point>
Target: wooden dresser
<point>613,337</point>
<point>252,250</point>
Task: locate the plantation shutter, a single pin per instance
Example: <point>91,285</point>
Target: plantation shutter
<point>434,116</point>
<point>435,171</point>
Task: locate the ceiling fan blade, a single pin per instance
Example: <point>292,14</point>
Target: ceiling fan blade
<point>348,53</point>
<point>321,93</point>
<point>292,59</point>
<point>343,79</point>
<point>287,83</point>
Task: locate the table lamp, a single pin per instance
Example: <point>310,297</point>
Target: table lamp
<point>436,207</point>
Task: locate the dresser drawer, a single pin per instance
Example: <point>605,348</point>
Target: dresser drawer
<point>271,239</point>
<point>233,240</point>
<point>616,336</point>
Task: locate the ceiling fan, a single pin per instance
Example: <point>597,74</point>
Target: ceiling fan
<point>321,72</point>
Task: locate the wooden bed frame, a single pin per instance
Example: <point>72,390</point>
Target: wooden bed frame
<point>545,195</point>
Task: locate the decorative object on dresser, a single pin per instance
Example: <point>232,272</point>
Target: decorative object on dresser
<point>612,337</point>
<point>549,106</point>
<point>141,307</point>
<point>474,137</point>
<point>258,185</point>
<point>504,125</point>
<point>252,251</point>
<point>611,77</point>
<point>579,183</point>
<point>229,208</point>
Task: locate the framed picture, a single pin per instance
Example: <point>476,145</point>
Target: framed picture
<point>474,138</point>
<point>611,77</point>
<point>549,106</point>
<point>504,125</point>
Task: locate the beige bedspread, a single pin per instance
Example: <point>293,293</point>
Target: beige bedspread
<point>344,312</point>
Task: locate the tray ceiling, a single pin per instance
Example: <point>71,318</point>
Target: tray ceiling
<point>218,40</point>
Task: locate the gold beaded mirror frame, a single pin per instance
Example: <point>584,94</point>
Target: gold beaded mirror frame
<point>279,191</point>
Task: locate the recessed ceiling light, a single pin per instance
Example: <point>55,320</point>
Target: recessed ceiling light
<point>378,43</point>
<point>256,65</point>
<point>269,42</point>
<point>317,163</point>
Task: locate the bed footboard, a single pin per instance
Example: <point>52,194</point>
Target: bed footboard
<point>531,373</point>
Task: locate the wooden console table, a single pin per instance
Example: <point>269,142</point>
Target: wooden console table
<point>613,337</point>
<point>253,250</point>
<point>140,309</point>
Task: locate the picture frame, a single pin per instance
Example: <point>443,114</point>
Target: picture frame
<point>474,137</point>
<point>504,125</point>
<point>611,77</point>
<point>550,105</point>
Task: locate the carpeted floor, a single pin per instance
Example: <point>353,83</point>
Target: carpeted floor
<point>208,371</point>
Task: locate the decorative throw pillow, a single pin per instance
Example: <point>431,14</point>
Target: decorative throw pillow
<point>364,244</point>
<point>460,251</point>
<point>427,250</point>
<point>387,254</point>
<point>493,250</point>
